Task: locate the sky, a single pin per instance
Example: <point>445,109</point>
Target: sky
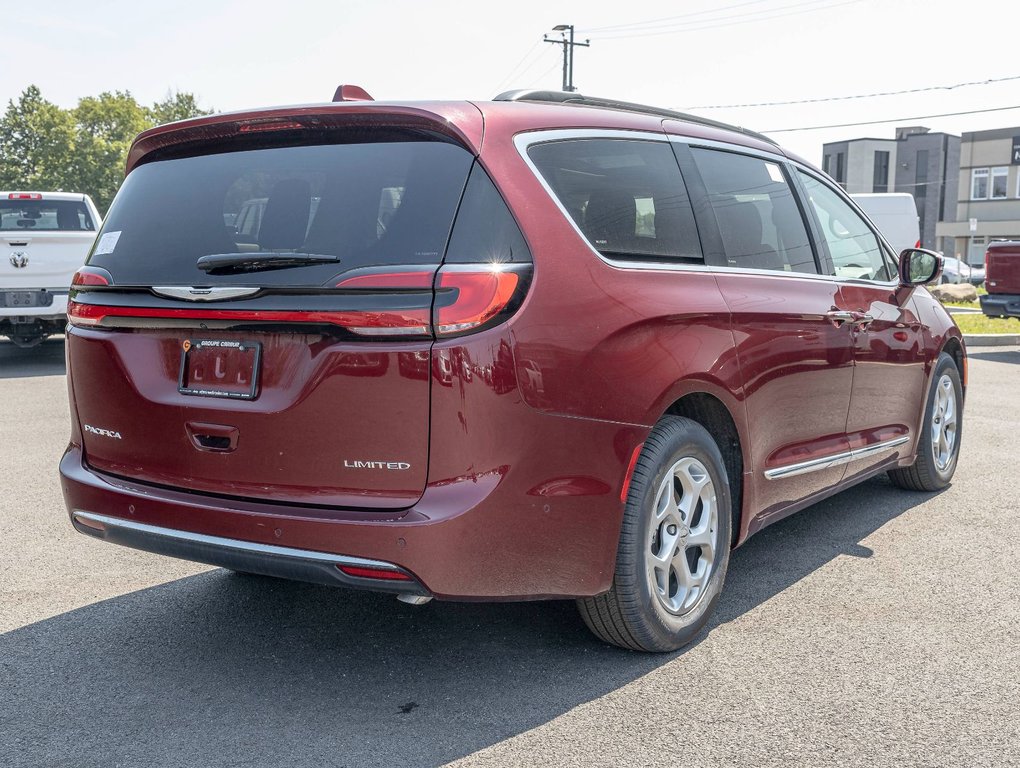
<point>236,54</point>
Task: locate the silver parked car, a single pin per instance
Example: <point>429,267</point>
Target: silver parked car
<point>958,271</point>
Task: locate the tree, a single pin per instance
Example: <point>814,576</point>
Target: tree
<point>105,126</point>
<point>82,149</point>
<point>36,140</point>
<point>176,106</point>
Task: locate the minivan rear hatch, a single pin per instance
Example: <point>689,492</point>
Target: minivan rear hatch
<point>254,319</point>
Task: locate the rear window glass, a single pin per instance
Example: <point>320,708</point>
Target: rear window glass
<point>45,215</point>
<point>369,204</point>
<point>626,196</point>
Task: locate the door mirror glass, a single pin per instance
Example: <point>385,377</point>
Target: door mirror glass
<point>919,266</point>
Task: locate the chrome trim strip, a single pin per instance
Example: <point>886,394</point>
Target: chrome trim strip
<point>527,138</point>
<point>825,462</point>
<point>234,544</point>
<point>741,149</point>
<point>189,293</point>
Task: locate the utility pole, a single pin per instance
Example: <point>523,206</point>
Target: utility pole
<point>568,52</point>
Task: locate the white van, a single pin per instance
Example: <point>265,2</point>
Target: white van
<point>895,215</point>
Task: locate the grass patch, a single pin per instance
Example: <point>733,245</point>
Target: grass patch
<point>982,324</point>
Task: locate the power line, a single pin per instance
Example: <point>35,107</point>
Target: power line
<point>990,81</point>
<point>891,120</point>
<point>510,75</point>
<point>523,80</point>
<point>705,24</point>
<point>618,27</point>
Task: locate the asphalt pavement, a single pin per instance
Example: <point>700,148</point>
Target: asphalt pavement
<point>879,628</point>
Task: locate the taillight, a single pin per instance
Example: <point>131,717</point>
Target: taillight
<point>408,322</point>
<point>388,280</point>
<point>24,196</point>
<point>391,322</point>
<point>482,294</point>
<point>468,296</point>
<point>92,276</point>
<point>368,572</point>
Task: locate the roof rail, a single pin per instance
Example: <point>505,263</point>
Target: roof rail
<point>564,97</point>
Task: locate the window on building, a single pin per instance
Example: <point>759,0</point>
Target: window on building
<point>921,173</point>
<point>826,162</point>
<point>881,178</point>
<point>999,182</point>
<point>979,184</point>
<point>840,169</point>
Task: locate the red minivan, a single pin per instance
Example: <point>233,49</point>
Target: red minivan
<point>545,346</point>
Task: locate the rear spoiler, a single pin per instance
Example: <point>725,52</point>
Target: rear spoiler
<point>461,121</point>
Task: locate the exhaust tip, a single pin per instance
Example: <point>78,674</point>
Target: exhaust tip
<point>414,599</point>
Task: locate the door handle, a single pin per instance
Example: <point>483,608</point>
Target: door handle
<point>863,319</point>
<point>838,317</point>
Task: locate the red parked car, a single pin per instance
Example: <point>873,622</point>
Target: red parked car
<point>1002,279</point>
<point>541,347</point>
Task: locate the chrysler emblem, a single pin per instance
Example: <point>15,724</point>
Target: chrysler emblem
<point>19,260</point>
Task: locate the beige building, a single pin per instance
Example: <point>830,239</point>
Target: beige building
<point>988,198</point>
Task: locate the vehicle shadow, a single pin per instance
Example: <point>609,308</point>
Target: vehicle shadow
<point>47,359</point>
<point>218,669</point>
<point>999,355</point>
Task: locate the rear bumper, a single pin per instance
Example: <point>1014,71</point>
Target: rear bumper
<point>1000,305</point>
<point>539,529</point>
<point>265,559</point>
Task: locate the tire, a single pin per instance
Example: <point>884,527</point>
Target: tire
<point>641,611</point>
<point>930,472</point>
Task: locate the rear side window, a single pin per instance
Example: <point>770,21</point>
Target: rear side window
<point>370,204</point>
<point>626,196</point>
<point>759,220</point>
<point>485,230</point>
<point>45,215</point>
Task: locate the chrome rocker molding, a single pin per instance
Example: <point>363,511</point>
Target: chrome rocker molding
<point>249,557</point>
<point>835,460</point>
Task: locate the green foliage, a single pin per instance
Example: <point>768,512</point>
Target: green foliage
<point>36,140</point>
<point>44,147</point>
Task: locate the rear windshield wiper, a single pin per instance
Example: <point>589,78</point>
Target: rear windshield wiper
<point>260,261</point>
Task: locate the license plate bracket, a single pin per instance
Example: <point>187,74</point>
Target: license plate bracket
<point>18,299</point>
<point>220,368</point>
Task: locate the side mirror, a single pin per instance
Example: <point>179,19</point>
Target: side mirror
<point>919,266</point>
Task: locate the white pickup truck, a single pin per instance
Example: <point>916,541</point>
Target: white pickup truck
<point>45,237</point>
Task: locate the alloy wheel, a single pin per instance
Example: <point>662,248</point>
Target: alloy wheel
<point>683,536</point>
<point>943,423</point>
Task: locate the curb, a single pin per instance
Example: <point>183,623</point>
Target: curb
<point>991,339</point>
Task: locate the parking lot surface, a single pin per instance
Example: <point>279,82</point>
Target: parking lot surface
<point>879,627</point>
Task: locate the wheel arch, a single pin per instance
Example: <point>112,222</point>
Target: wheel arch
<point>709,410</point>
<point>953,346</point>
